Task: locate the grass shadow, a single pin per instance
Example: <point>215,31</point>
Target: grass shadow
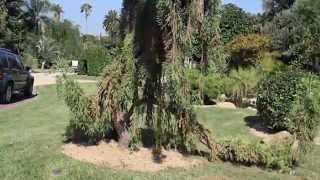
<point>256,123</point>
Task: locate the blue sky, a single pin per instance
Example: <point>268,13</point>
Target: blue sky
<point>100,8</point>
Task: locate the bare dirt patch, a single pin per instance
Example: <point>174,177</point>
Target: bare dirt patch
<point>111,155</point>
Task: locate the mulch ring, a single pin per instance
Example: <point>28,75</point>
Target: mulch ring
<point>111,155</point>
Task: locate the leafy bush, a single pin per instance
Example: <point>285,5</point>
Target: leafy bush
<point>97,57</point>
<point>29,60</point>
<point>211,85</point>
<point>83,125</point>
<point>289,100</point>
<point>270,62</point>
<point>245,51</point>
<point>196,81</point>
<point>280,156</point>
<point>241,84</point>
<point>235,21</point>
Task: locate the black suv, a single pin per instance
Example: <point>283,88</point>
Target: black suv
<point>14,77</point>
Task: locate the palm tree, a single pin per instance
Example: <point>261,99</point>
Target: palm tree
<point>86,8</point>
<point>58,11</point>
<point>111,24</point>
<point>48,50</point>
<point>36,13</point>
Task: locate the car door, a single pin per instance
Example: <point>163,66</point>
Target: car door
<point>14,70</point>
<point>4,69</point>
<point>4,66</point>
<point>23,74</point>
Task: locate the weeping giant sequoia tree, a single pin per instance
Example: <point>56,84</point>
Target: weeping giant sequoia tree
<point>145,87</point>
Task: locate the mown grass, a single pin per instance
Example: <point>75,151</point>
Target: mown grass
<point>31,136</point>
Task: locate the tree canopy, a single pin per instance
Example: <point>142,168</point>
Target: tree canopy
<point>235,21</point>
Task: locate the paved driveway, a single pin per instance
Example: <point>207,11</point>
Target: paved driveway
<point>43,79</point>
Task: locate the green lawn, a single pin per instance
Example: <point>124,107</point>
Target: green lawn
<point>31,136</point>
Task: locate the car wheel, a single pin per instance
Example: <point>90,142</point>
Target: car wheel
<point>7,95</point>
<point>28,92</point>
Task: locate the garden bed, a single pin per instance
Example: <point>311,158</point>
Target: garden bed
<point>111,155</point>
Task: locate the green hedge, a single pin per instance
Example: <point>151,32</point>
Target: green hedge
<point>211,85</point>
<point>289,100</point>
<point>96,59</point>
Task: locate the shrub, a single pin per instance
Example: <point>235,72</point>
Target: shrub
<point>280,156</point>
<point>211,85</point>
<point>241,84</point>
<point>289,100</point>
<point>235,21</point>
<point>29,60</point>
<point>195,79</point>
<point>270,62</point>
<point>83,125</point>
<point>96,57</point>
<point>246,51</point>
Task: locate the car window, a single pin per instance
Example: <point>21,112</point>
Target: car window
<point>20,66</point>
<point>3,61</point>
<point>13,62</point>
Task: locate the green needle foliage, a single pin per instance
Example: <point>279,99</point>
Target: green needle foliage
<point>146,86</point>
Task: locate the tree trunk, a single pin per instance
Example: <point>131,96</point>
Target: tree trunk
<point>43,65</point>
<point>121,128</point>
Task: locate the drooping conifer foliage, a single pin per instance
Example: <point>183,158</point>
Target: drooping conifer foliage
<point>146,87</point>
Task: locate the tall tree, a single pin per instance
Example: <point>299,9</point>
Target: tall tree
<point>37,14</point>
<point>58,11</point>
<point>3,22</point>
<point>15,25</point>
<point>146,87</point>
<point>67,35</point>
<point>235,21</point>
<point>295,32</point>
<point>111,24</point>
<point>86,8</point>
<point>272,7</point>
<point>47,51</point>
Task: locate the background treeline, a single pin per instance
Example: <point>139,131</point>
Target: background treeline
<point>37,31</point>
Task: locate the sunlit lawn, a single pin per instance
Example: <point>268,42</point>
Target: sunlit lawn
<point>31,136</point>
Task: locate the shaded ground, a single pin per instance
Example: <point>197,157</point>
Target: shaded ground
<point>258,129</point>
<point>17,100</point>
<point>111,155</point>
